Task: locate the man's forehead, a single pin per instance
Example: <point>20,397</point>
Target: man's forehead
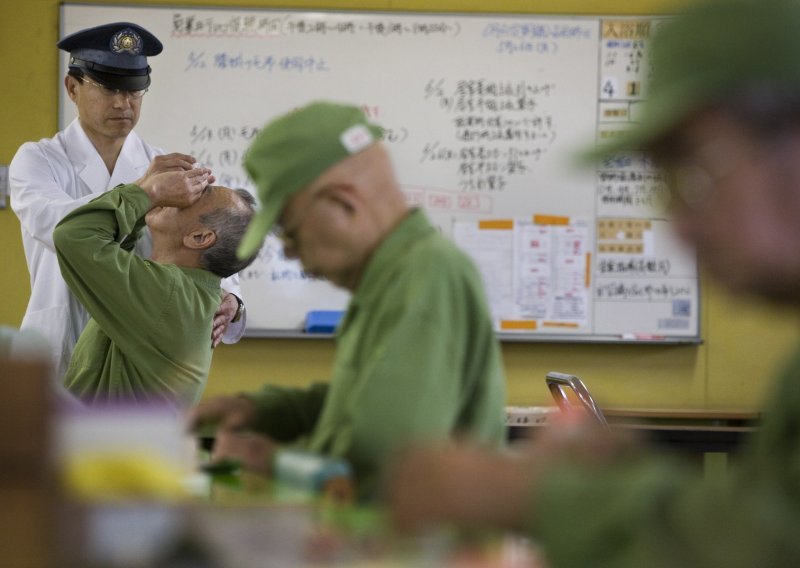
<point>226,196</point>
<point>216,191</point>
<point>213,194</point>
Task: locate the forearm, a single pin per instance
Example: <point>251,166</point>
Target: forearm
<point>625,515</point>
<point>285,414</point>
<point>87,243</point>
<point>460,485</point>
<point>106,220</point>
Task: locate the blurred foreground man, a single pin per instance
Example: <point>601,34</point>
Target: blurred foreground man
<point>416,355</point>
<point>723,120</point>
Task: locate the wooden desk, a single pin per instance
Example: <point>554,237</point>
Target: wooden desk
<point>686,431</point>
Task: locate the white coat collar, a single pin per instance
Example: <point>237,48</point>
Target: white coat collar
<point>131,163</point>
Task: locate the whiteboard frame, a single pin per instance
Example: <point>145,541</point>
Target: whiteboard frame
<point>508,338</point>
<point>511,337</point>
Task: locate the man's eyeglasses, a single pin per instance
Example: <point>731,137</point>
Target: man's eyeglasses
<point>109,92</point>
<point>693,176</point>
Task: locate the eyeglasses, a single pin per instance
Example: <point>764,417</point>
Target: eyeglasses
<point>109,92</point>
<point>692,179</point>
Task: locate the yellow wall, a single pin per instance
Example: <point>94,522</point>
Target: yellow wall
<point>743,341</point>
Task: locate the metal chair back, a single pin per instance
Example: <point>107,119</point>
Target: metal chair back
<point>557,382</point>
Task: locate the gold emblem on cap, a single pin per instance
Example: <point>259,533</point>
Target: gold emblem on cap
<point>126,41</point>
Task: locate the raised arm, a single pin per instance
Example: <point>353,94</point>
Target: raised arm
<point>95,266</point>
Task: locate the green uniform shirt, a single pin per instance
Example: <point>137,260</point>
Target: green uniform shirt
<point>150,332</point>
<point>657,513</point>
<point>416,359</point>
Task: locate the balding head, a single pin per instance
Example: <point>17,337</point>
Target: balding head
<point>334,224</point>
<point>229,224</point>
<point>204,234</point>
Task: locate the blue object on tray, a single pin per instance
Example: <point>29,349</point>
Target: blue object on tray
<point>323,321</point>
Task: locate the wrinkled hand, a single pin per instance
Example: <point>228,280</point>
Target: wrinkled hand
<point>177,188</point>
<point>165,191</point>
<point>253,451</point>
<point>473,487</point>
<point>225,313</point>
<point>174,162</point>
<point>224,412</point>
<point>457,484</point>
<point>232,416</point>
<point>170,163</point>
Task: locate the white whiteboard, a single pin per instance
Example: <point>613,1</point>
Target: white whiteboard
<point>483,116</point>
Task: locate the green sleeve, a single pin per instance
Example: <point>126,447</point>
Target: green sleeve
<point>423,395</point>
<point>420,407</point>
<point>286,414</point>
<point>658,513</point>
<point>603,517</point>
<point>121,291</point>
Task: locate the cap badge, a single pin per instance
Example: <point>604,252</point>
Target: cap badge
<point>356,138</point>
<point>126,41</point>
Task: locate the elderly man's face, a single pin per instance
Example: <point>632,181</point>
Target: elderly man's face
<point>173,223</point>
<point>323,233</point>
<point>736,199</point>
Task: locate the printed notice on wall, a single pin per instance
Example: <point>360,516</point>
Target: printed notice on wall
<point>536,275</point>
<point>640,267</point>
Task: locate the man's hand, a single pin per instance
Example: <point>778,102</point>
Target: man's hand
<point>459,484</point>
<point>175,162</point>
<point>177,188</point>
<point>253,451</point>
<point>225,313</point>
<point>171,163</point>
<point>224,412</point>
<point>432,485</point>
<point>232,416</point>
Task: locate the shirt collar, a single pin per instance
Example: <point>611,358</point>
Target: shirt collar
<point>413,227</point>
<point>202,277</point>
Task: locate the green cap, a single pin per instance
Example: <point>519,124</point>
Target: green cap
<point>293,150</point>
<point>705,54</point>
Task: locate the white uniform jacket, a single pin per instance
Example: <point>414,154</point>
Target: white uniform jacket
<point>47,180</point>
